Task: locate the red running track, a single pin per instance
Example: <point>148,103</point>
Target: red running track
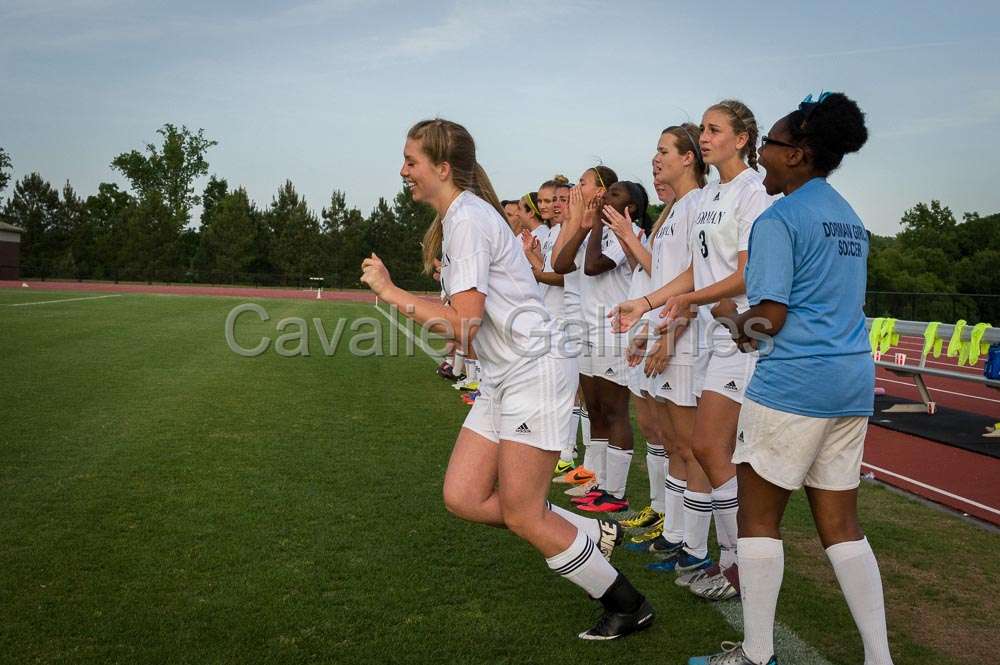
<point>972,478</point>
<point>965,481</point>
<point>184,290</point>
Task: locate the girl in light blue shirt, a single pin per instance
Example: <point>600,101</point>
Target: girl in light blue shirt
<point>805,415</point>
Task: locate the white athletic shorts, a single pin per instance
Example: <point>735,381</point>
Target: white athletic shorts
<point>676,384</point>
<point>724,369</point>
<point>789,450</point>
<point>637,380</point>
<point>534,405</point>
<point>606,360</point>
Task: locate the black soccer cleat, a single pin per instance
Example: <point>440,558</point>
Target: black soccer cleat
<point>625,611</point>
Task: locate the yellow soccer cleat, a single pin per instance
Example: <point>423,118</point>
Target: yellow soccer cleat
<point>644,519</point>
<point>563,467</point>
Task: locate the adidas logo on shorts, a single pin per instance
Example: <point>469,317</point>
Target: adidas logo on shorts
<point>523,429</point>
<point>609,372</point>
<point>739,437</point>
<point>731,386</point>
<point>666,385</point>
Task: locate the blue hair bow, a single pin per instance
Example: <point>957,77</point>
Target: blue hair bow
<point>808,103</point>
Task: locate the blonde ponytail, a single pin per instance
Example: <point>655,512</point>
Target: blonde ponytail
<point>431,245</point>
<point>660,220</point>
<point>742,120</point>
<point>483,188</point>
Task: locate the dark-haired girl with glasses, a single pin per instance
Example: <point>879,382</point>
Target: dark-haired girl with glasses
<point>806,410</point>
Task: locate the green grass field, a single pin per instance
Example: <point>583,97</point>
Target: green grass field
<point>165,500</point>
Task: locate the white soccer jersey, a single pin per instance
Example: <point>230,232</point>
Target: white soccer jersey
<point>671,250</point>
<point>721,230</point>
<point>600,293</point>
<point>639,284</point>
<point>479,252</point>
<point>552,296</point>
<point>572,305</point>
<point>541,232</point>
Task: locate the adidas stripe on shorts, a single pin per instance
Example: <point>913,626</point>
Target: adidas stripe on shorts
<point>676,384</point>
<point>533,405</point>
<point>790,450</point>
<point>605,358</point>
<point>725,369</point>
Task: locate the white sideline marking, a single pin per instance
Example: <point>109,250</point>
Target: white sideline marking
<point>788,647</point>
<point>49,302</point>
<point>938,390</point>
<point>940,491</point>
<point>431,353</point>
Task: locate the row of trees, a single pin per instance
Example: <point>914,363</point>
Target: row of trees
<point>934,253</point>
<point>145,234</point>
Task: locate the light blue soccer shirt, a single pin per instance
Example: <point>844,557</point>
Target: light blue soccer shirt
<point>809,251</point>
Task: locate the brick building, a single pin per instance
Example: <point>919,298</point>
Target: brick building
<point>10,251</point>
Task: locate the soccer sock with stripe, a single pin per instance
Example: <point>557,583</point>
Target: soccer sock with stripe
<point>762,565</point>
<point>697,520</point>
<point>588,525</point>
<point>859,578</point>
<point>674,513</point>
<point>583,565</point>
<point>595,458</point>
<point>725,506</point>
<point>619,461</point>
<point>656,467</point>
<point>568,453</point>
<point>585,427</point>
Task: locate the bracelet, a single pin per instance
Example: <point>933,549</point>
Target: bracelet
<point>648,303</point>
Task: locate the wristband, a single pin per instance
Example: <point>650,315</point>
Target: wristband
<point>648,303</point>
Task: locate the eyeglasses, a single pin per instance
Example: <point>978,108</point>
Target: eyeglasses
<point>767,140</point>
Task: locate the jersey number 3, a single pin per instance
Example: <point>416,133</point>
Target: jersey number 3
<point>704,246</point>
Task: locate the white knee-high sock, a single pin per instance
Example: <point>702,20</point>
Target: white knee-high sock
<point>583,565</point>
<point>585,427</point>
<point>458,366</point>
<point>596,459</point>
<point>697,520</point>
<point>858,574</point>
<point>568,453</point>
<point>588,525</point>
<point>656,468</point>
<point>762,565</point>
<point>724,508</point>
<point>674,513</point>
<point>619,461</point>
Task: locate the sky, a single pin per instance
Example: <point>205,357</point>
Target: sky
<point>322,92</point>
